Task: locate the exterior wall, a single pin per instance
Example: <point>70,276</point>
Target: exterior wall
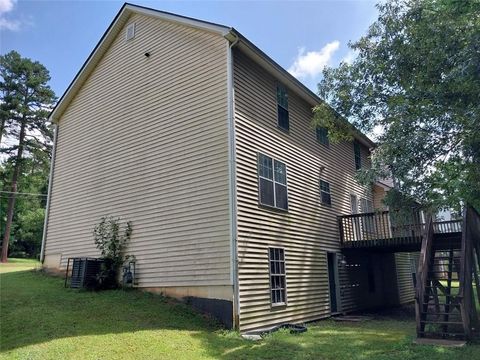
<point>406,289</point>
<point>309,229</point>
<point>360,291</point>
<point>378,196</point>
<point>392,278</point>
<point>146,139</point>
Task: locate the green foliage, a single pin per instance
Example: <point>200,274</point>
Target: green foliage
<point>111,239</point>
<point>26,99</point>
<point>25,102</point>
<point>27,226</point>
<point>417,77</point>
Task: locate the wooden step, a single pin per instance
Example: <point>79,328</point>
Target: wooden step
<point>441,322</point>
<point>441,304</point>
<point>440,313</point>
<point>448,334</point>
<point>445,287</point>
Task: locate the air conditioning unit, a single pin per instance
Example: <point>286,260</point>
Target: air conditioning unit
<point>83,272</point>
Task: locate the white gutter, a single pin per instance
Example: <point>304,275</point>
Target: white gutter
<point>232,177</point>
<point>49,194</point>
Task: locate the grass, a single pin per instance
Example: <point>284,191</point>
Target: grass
<point>42,320</point>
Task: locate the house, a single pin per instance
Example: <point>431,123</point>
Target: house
<point>189,131</point>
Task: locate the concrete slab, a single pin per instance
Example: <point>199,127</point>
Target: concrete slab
<point>352,318</point>
<point>252,337</point>
<point>440,342</point>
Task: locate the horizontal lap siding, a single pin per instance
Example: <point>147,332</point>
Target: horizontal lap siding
<point>379,194</point>
<point>406,290</point>
<point>309,229</point>
<point>146,139</point>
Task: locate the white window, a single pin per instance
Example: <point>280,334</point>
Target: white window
<point>272,182</point>
<point>366,205</point>
<point>325,195</point>
<point>322,136</point>
<point>282,108</point>
<point>278,285</point>
<point>357,155</point>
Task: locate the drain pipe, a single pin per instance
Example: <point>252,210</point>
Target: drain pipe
<point>49,194</point>
<point>232,178</point>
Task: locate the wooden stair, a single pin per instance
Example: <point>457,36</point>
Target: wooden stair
<point>440,315</point>
<point>446,278</point>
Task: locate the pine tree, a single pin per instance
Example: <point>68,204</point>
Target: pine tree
<point>25,104</point>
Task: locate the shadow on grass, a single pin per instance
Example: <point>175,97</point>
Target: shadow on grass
<point>36,309</point>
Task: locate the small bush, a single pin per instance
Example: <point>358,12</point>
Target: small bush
<point>111,238</point>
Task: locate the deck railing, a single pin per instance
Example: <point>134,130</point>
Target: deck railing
<point>385,225</point>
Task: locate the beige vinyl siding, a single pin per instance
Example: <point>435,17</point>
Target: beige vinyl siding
<point>309,228</point>
<point>406,290</point>
<point>146,139</point>
<point>379,194</point>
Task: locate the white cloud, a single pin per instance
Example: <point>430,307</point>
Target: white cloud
<point>12,25</point>
<point>8,24</point>
<point>351,55</point>
<point>311,63</point>
<point>6,6</point>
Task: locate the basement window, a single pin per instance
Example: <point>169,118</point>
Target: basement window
<point>282,108</point>
<point>272,182</point>
<point>130,31</point>
<point>278,286</point>
<point>325,195</point>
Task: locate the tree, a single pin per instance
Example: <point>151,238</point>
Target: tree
<point>417,78</point>
<point>26,103</point>
<point>27,223</point>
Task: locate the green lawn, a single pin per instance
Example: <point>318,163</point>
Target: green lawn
<point>42,320</point>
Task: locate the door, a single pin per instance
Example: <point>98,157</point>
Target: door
<point>333,281</point>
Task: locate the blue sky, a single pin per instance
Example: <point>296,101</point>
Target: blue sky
<point>301,36</point>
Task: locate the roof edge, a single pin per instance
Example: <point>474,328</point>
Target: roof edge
<point>287,78</point>
<point>228,33</point>
<point>109,35</point>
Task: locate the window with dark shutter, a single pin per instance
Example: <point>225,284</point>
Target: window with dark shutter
<point>278,285</point>
<point>272,182</point>
<point>282,108</point>
<point>322,136</point>
<point>325,195</point>
<point>358,156</point>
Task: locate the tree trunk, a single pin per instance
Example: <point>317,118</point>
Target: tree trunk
<point>11,199</point>
<point>4,121</point>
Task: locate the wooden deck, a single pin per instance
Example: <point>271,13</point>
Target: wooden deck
<point>383,231</point>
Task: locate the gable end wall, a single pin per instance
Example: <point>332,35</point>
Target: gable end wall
<point>145,139</point>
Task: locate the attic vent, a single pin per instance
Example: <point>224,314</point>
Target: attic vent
<point>130,33</point>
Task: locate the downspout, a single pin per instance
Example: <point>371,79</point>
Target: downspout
<point>232,182</point>
<point>49,194</point>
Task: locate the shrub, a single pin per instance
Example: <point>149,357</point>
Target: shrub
<point>111,239</point>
